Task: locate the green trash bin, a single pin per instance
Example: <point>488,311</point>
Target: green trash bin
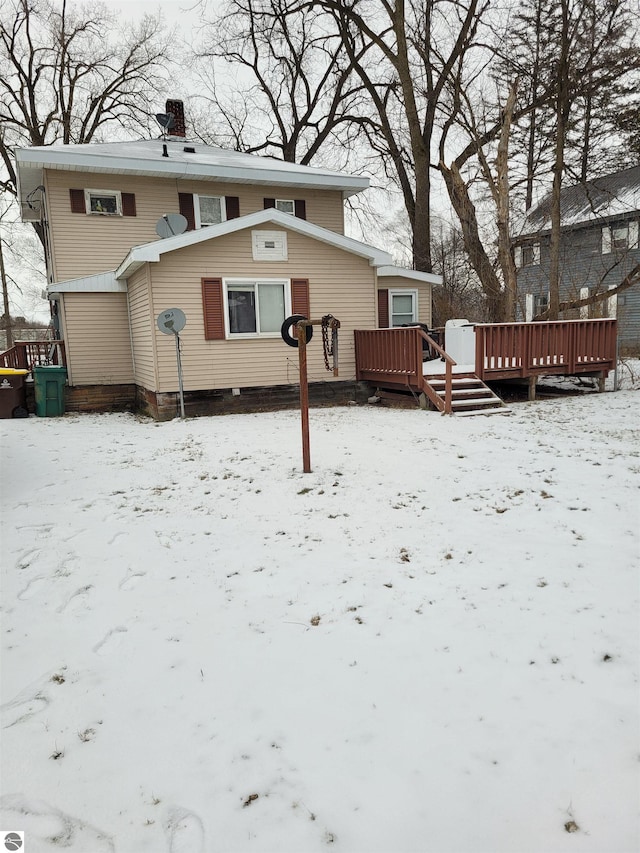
<point>49,382</point>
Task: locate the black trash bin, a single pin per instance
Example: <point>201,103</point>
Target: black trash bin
<point>13,394</point>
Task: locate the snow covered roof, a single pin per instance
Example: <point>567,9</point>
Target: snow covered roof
<point>183,159</point>
<point>601,199</point>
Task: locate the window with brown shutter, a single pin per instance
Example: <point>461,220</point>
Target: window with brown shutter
<point>269,202</point>
<point>185,201</point>
<point>301,208</point>
<point>383,309</point>
<point>213,309</point>
<point>77,201</point>
<point>128,204</point>
<point>300,296</point>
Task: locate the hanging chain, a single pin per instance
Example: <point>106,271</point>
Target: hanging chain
<point>327,348</point>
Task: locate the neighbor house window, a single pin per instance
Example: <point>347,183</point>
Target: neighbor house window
<point>209,210</point>
<point>527,255</point>
<point>256,307</point>
<point>536,303</point>
<point>403,307</point>
<point>619,238</point>
<point>103,202</point>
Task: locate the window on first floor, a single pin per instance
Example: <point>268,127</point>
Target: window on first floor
<point>256,307</point>
<point>403,307</point>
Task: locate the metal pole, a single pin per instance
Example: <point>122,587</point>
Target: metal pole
<point>179,360</point>
<point>301,334</point>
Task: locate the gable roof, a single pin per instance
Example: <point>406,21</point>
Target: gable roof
<point>599,200</point>
<point>183,159</point>
<point>152,252</point>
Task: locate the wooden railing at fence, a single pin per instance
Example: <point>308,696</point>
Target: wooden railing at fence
<point>393,358</point>
<point>511,350</point>
<point>23,355</point>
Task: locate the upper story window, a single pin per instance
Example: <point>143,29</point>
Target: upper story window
<point>403,307</point>
<point>527,255</point>
<point>209,210</point>
<point>286,205</point>
<point>620,237</point>
<point>104,202</point>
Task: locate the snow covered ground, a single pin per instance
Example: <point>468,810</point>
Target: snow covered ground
<point>430,643</point>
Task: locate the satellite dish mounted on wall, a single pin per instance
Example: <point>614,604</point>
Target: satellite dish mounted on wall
<point>171,224</point>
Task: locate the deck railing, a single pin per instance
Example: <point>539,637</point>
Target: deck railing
<point>393,358</point>
<point>24,355</point>
<point>512,350</point>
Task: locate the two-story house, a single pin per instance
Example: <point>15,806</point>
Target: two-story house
<point>258,240</point>
<point>599,247</point>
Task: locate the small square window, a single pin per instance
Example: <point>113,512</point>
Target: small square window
<point>286,206</point>
<point>210,210</point>
<point>103,202</point>
<point>540,303</point>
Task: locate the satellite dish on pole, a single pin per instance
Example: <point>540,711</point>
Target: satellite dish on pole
<point>171,321</point>
<point>166,121</point>
<point>171,224</point>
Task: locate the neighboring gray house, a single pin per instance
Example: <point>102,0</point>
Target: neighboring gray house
<point>600,223</point>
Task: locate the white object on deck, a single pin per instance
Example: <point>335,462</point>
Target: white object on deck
<point>460,341</point>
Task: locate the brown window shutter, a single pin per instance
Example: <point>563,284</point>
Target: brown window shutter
<point>383,309</point>
<point>300,296</point>
<point>232,205</point>
<point>128,204</point>
<point>269,202</point>
<point>185,201</point>
<point>300,207</point>
<point>213,309</point>
<point>77,201</point>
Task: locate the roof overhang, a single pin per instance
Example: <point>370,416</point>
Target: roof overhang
<point>413,275</point>
<point>146,158</point>
<point>105,282</point>
<point>153,252</point>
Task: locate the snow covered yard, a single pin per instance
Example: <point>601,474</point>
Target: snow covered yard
<point>430,643</point>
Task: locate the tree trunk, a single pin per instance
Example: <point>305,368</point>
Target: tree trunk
<point>5,299</point>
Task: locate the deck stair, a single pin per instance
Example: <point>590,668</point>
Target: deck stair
<point>469,395</point>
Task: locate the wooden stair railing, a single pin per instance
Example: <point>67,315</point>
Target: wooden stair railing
<point>23,355</point>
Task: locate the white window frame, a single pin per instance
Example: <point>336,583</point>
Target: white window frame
<point>283,203</point>
<point>631,227</point>
<point>227,282</point>
<point>197,214</point>
<point>403,292</point>
<point>269,245</point>
<point>518,255</point>
<point>116,194</point>
<point>530,300</point>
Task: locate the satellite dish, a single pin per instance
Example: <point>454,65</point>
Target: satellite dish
<point>171,224</point>
<point>166,120</point>
<point>171,321</point>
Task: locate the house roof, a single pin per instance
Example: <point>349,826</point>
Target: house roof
<point>152,252</point>
<point>104,282</point>
<point>186,160</point>
<point>602,199</point>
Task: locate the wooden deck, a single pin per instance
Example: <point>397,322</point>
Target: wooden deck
<point>24,355</point>
<point>393,359</point>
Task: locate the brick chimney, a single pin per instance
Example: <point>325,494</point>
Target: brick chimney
<point>177,108</point>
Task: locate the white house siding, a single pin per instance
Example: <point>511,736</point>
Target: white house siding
<point>97,340</point>
<point>142,328</point>
<point>424,293</point>
<point>340,283</point>
<point>84,244</point>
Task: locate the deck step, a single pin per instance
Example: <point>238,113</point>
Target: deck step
<point>498,410</point>
<point>475,401</point>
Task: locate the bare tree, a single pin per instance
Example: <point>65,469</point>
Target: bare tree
<point>295,92</point>
<point>68,74</point>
